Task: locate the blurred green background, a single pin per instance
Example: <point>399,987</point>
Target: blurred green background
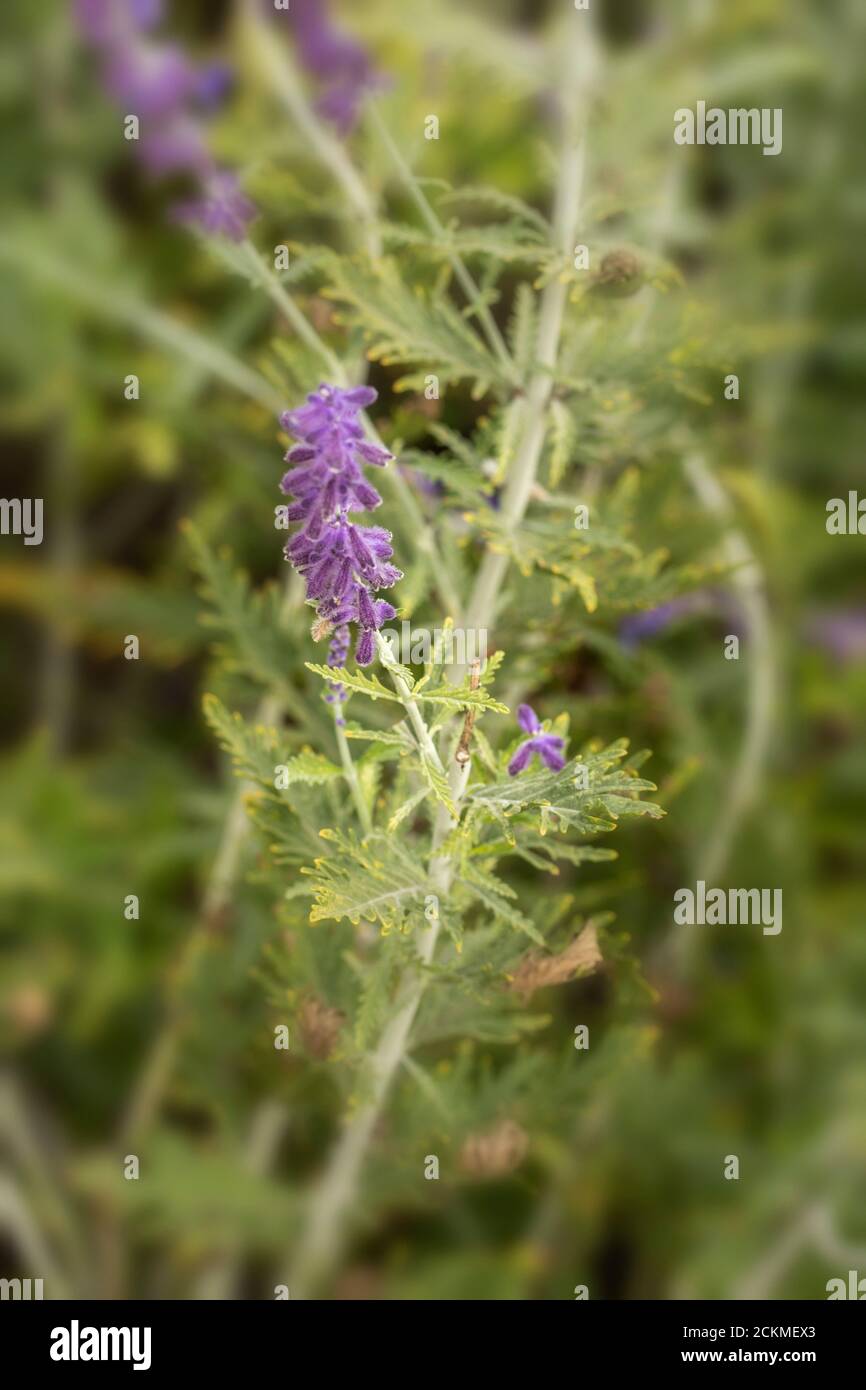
<point>112,785</point>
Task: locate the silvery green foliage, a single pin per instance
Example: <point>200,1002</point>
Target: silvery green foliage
<point>425,867</point>
<point>217,981</point>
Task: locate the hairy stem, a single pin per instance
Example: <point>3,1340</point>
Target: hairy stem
<point>433,224</point>
<point>351,772</point>
<point>410,704</point>
<point>481,609</point>
<point>322,1238</point>
<point>749,580</point>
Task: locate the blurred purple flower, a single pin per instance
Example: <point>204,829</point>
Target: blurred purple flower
<point>102,21</point>
<point>336,60</point>
<point>429,487</point>
<point>222,209</point>
<point>344,565</point>
<point>149,79</point>
<point>174,147</point>
<point>640,627</point>
<point>158,83</point>
<point>841,632</point>
<point>549,747</point>
<point>213,84</point>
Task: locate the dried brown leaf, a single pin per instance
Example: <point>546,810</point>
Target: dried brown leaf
<point>319,1027</point>
<point>537,969</point>
<point>496,1152</point>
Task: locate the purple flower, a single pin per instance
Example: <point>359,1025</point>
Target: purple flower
<point>841,632</point>
<point>102,21</point>
<point>213,84</point>
<point>177,146</point>
<point>222,209</point>
<point>427,486</point>
<point>344,565</point>
<point>338,62</point>
<point>549,747</point>
<point>151,80</point>
<point>158,83</point>
<point>639,627</point>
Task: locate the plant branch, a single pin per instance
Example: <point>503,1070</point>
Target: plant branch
<point>323,1235</point>
<point>417,526</point>
<point>477,302</point>
<point>748,579</point>
<point>481,609</point>
<point>276,65</point>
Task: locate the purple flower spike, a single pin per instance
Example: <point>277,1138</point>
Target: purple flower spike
<point>841,632</point>
<point>337,61</point>
<point>549,747</point>
<point>344,564</point>
<point>168,92</point>
<point>641,627</point>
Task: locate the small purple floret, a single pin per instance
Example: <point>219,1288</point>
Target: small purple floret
<point>549,747</point>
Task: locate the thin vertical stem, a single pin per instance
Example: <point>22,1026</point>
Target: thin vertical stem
<point>473,293</point>
<point>351,772</point>
<point>481,609</point>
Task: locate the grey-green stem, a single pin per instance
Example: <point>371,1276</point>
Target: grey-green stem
<point>351,772</point>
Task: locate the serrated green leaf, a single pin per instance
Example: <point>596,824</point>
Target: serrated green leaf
<point>438,783</point>
<point>310,767</point>
<point>376,880</point>
<point>496,897</point>
<point>253,621</point>
<point>354,680</point>
<point>407,807</point>
<point>463,697</point>
<point>559,798</point>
